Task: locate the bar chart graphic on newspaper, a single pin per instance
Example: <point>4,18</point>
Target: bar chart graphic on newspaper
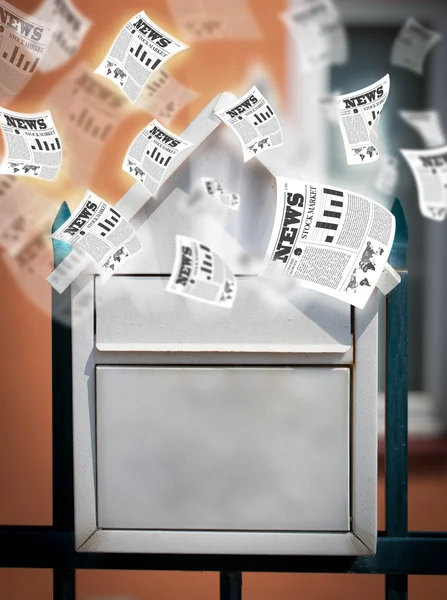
<point>140,48</point>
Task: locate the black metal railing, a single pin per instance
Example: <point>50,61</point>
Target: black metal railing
<point>399,553</point>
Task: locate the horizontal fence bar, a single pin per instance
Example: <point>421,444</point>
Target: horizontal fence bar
<point>41,547</point>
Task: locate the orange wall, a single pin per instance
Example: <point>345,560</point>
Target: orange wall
<point>25,345</point>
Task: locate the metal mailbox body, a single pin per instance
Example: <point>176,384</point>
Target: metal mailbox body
<point>205,430</point>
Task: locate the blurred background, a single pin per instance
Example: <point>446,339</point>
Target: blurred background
<point>260,50</point>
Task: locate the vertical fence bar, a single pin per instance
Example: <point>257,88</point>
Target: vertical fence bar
<point>64,587</point>
<point>64,580</point>
<point>230,585</point>
<point>63,496</point>
<point>396,403</point>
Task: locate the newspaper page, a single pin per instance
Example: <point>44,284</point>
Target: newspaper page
<point>200,274</point>
<point>429,168</point>
<point>331,240</point>
<point>358,117</point>
<point>317,27</point>
<point>388,174</point>
<point>100,230</point>
<point>88,110</point>
<point>139,49</point>
<point>33,145</point>
<point>24,40</point>
<point>150,153</point>
<point>70,29</point>
<point>164,97</point>
<point>254,122</point>
<point>411,46</point>
<point>214,190</point>
<point>36,256</point>
<point>23,211</point>
<point>427,123</point>
<point>202,20</point>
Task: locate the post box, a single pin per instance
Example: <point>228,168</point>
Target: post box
<point>202,430</point>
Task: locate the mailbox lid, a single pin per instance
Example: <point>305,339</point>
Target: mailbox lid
<point>259,449</point>
<point>135,313</point>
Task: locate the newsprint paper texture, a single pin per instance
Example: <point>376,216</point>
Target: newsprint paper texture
<point>254,122</point>
<point>23,42</point>
<point>200,274</point>
<point>321,35</point>
<point>164,97</point>
<point>213,189</point>
<point>331,240</point>
<point>208,20</point>
<point>358,117</point>
<point>150,153</point>
<point>427,123</point>
<point>87,110</point>
<point>140,48</point>
<point>71,27</point>
<point>100,230</point>
<point>411,46</point>
<point>24,211</point>
<point>429,168</point>
<point>33,146</point>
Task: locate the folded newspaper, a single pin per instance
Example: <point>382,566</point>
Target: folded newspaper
<point>23,212</point>
<point>331,240</point>
<point>164,97</point>
<point>429,168</point>
<point>100,230</point>
<point>140,48</point>
<point>254,122</point>
<point>200,274</point>
<point>358,116</point>
<point>411,46</point>
<point>33,146</point>
<point>150,153</point>
<point>320,33</point>
<point>427,123</point>
<point>214,190</point>
<point>198,20</point>
<point>24,41</point>
<point>87,110</point>
<point>70,29</point>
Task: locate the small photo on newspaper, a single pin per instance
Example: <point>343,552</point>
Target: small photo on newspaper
<point>214,189</point>
<point>321,35</point>
<point>388,175</point>
<point>70,29</point>
<point>429,168</point>
<point>358,116</point>
<point>140,48</point>
<point>200,274</point>
<point>427,123</point>
<point>411,46</point>
<point>24,40</point>
<point>150,154</point>
<point>200,20</point>
<point>33,145</point>
<point>254,122</point>
<point>164,97</point>
<point>99,229</point>
<point>331,240</point>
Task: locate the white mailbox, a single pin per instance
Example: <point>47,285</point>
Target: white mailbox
<point>205,430</point>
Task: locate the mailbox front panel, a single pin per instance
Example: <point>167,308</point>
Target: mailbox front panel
<point>137,314</point>
<point>259,449</point>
